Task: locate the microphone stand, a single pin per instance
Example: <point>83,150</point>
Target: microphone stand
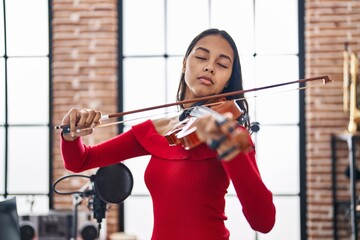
<point>77,200</point>
<point>96,204</point>
<point>99,208</point>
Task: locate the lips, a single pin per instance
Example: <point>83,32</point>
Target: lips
<point>206,80</point>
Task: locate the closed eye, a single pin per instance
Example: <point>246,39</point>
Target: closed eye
<point>222,65</point>
<point>201,58</point>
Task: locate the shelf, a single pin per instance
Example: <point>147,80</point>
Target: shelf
<point>351,140</point>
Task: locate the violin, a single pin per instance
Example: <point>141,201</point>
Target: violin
<point>238,137</point>
<point>184,133</point>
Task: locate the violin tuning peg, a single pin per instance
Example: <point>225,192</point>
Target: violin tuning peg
<point>243,119</point>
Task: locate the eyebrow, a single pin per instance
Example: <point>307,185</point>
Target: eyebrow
<point>208,51</point>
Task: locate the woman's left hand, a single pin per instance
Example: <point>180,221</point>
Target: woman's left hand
<point>229,139</point>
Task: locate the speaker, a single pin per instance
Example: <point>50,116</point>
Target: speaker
<point>58,225</point>
<point>27,229</point>
<point>88,231</point>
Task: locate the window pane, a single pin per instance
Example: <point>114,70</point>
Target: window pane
<point>28,88</point>
<point>28,159</point>
<point>137,167</point>
<point>174,69</point>
<point>279,104</point>
<point>2,91</point>
<point>184,21</point>
<point>248,71</point>
<point>287,220</point>
<point>276,27</point>
<point>279,164</point>
<point>144,85</point>
<point>278,108</point>
<point>238,226</point>
<point>2,159</point>
<point>237,18</point>
<point>143,27</point>
<point>139,217</point>
<point>277,69</point>
<point>40,204</point>
<point>2,41</point>
<point>27,27</point>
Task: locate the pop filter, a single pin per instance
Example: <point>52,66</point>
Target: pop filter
<point>114,183</point>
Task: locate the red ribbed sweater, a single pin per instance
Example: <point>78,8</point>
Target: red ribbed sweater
<point>187,187</point>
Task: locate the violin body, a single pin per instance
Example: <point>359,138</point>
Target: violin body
<point>186,136</point>
<point>171,136</point>
<point>184,133</point>
<point>229,106</point>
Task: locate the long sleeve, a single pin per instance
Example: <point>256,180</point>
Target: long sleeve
<point>187,187</point>
<point>79,157</point>
<point>255,198</point>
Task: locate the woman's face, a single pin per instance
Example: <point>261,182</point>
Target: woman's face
<point>208,67</point>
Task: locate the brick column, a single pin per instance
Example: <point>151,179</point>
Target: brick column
<point>329,24</point>
<point>84,70</point>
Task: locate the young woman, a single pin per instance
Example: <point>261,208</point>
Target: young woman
<point>187,187</point>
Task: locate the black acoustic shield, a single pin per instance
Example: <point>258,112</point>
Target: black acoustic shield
<point>114,183</point>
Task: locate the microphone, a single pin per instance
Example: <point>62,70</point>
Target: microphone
<point>110,184</point>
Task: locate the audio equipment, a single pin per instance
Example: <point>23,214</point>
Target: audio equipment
<point>9,220</point>
<point>58,225</point>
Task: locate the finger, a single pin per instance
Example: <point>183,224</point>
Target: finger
<point>227,152</point>
<point>237,142</point>
<point>83,117</point>
<point>93,118</point>
<point>90,117</point>
<point>243,141</point>
<point>229,127</point>
<point>242,138</point>
<point>73,117</point>
<point>84,132</point>
<point>228,115</point>
<point>226,133</point>
<point>215,143</point>
<point>97,118</point>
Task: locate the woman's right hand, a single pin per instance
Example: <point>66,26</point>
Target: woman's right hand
<point>80,118</point>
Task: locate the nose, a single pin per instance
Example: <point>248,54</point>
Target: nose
<point>209,69</point>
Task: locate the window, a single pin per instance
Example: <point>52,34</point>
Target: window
<point>155,38</point>
<point>24,105</point>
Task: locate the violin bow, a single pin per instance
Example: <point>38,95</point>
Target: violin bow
<point>324,78</point>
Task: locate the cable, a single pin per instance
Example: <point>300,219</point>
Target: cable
<point>63,178</point>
